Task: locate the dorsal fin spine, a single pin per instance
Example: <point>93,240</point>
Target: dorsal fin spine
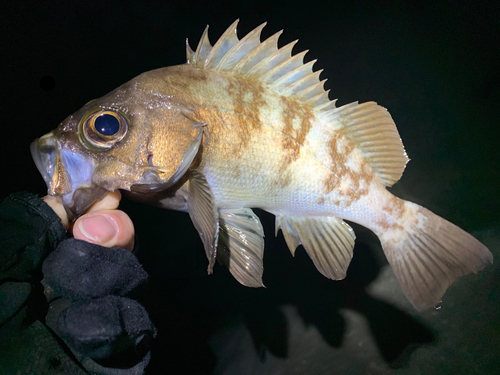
<point>303,83</point>
<point>250,41</point>
<point>203,48</point>
<point>312,90</point>
<point>283,68</point>
<point>218,51</point>
<point>253,57</point>
<point>272,60</point>
<point>189,53</point>
<point>291,78</point>
<point>324,106</point>
<point>318,98</point>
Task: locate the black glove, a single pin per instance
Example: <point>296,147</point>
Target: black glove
<point>92,316</point>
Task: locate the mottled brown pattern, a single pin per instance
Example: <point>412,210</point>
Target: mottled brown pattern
<point>247,100</point>
<point>386,225</point>
<point>293,138</point>
<point>293,110</point>
<point>233,108</point>
<point>395,207</point>
<point>230,132</point>
<point>334,182</point>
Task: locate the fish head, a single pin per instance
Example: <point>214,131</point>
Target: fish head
<point>136,138</point>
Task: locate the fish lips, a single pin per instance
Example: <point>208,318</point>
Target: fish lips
<point>44,154</point>
<point>67,175</point>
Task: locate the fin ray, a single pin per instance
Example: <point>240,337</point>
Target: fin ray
<point>221,48</point>
<point>241,49</point>
<point>257,54</point>
<point>293,76</point>
<point>428,257</point>
<point>241,245</point>
<point>269,62</point>
<point>329,241</point>
<point>203,49</point>
<point>372,129</point>
<point>304,83</point>
<point>204,214</point>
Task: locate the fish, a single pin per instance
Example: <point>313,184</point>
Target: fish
<point>246,124</point>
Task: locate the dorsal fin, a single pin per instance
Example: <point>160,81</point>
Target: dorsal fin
<point>262,61</point>
<point>368,125</point>
<point>371,128</point>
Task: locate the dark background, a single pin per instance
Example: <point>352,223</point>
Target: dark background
<point>434,65</point>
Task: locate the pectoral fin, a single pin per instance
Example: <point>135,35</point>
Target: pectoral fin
<point>204,213</point>
<point>329,241</point>
<point>241,245</point>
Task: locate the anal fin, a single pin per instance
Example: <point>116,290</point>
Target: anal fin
<point>329,241</point>
<point>241,245</point>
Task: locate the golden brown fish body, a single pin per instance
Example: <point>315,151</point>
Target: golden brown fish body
<point>275,153</point>
<point>244,124</point>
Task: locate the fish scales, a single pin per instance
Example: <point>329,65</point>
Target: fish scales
<point>245,124</point>
<point>253,121</point>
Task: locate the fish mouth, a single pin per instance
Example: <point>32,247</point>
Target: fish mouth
<point>67,175</point>
<point>46,158</point>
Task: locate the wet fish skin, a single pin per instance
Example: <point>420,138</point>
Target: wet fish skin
<point>244,124</point>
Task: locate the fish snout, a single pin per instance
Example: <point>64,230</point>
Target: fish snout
<point>47,159</point>
<point>67,175</point>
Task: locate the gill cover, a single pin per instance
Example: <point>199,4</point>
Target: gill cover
<point>174,142</point>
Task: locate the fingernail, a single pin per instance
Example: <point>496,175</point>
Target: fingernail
<point>98,228</point>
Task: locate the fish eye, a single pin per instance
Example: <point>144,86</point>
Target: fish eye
<point>107,124</point>
<point>101,129</point>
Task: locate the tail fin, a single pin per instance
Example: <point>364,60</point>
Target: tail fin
<point>428,253</point>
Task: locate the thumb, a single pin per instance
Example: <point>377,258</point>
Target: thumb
<point>107,228</point>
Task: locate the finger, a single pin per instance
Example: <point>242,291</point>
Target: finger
<point>106,228</point>
<point>110,201</point>
<point>58,209</point>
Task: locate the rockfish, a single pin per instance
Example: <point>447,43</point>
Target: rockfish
<point>244,124</point>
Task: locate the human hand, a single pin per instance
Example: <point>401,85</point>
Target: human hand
<point>102,224</point>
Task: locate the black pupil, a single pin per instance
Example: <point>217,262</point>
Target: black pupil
<point>107,124</point>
